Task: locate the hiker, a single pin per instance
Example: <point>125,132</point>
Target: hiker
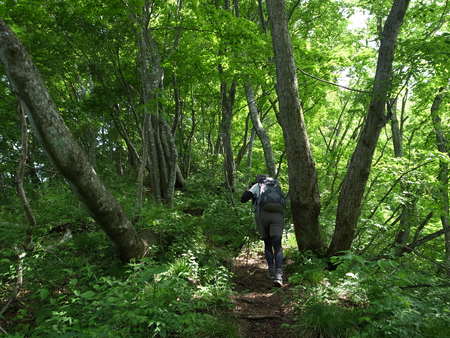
<point>268,205</point>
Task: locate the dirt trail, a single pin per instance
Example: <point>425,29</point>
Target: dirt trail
<point>260,308</point>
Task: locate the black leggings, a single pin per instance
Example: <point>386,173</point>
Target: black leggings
<point>273,251</point>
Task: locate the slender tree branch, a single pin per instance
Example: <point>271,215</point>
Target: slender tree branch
<point>431,260</point>
<point>332,83</point>
<point>393,186</point>
<point>440,22</point>
<point>423,240</point>
<point>382,151</point>
<point>325,140</point>
<point>375,236</point>
<point>280,162</point>
<point>292,9</point>
<point>421,226</point>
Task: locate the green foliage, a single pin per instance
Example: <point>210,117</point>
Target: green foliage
<point>328,320</point>
<point>384,298</point>
<point>152,300</point>
<point>80,288</point>
<point>87,52</point>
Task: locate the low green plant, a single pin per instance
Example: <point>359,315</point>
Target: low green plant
<point>80,288</point>
<point>369,299</point>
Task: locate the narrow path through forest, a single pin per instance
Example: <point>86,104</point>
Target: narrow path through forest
<point>260,308</point>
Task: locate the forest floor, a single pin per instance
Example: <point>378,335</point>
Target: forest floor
<point>260,308</point>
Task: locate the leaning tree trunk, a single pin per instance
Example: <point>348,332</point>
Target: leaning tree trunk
<point>62,148</point>
<point>304,191</point>
<point>350,197</point>
<point>442,145</point>
<point>260,131</point>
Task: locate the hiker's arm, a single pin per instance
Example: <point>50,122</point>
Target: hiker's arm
<point>246,196</point>
<point>251,193</point>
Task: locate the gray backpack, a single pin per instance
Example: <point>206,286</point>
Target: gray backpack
<point>271,197</point>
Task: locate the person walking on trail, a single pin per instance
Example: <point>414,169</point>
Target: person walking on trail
<point>268,204</point>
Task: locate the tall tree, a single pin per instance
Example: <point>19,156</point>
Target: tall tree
<point>408,209</point>
<point>350,197</point>
<point>303,186</point>
<point>61,147</point>
<point>228,97</point>
<point>260,131</point>
<point>160,154</point>
<point>442,146</point>
<point>227,104</point>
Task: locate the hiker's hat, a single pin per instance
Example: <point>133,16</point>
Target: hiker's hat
<point>260,178</point>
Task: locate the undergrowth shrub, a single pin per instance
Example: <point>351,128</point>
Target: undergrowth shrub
<point>80,288</point>
<point>226,223</point>
<point>154,300</point>
<point>68,294</point>
<point>361,298</point>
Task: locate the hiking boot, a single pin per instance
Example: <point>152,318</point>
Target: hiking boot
<point>278,280</point>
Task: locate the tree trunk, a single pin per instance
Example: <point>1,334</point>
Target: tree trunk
<point>133,156</point>
<point>151,77</point>
<point>60,145</point>
<point>260,131</point>
<point>250,148</point>
<point>408,213</point>
<point>88,141</point>
<point>262,20</point>
<point>442,145</point>
<point>187,160</point>
<point>20,176</point>
<point>244,147</point>
<point>162,154</point>
<point>171,154</point>
<point>225,130</point>
<point>178,106</point>
<point>349,203</point>
<point>397,137</point>
<point>304,191</point>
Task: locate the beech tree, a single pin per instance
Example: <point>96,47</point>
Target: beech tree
<point>227,100</point>
<point>442,146</point>
<point>159,151</point>
<point>132,69</point>
<point>260,131</point>
<point>141,90</point>
<point>303,186</point>
<point>306,200</point>
<point>64,151</point>
<point>349,205</point>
